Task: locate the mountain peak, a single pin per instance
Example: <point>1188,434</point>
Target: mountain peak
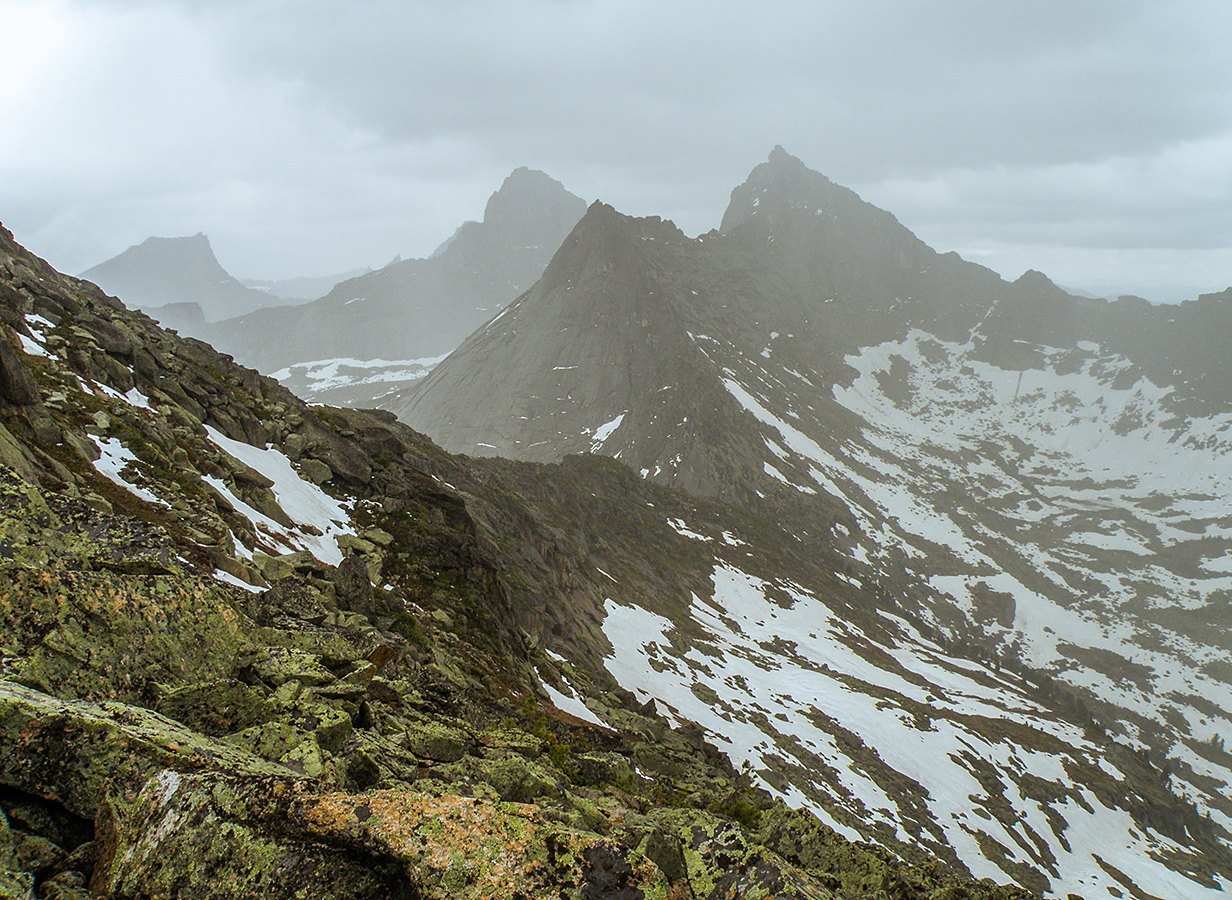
<point>528,193</point>
<point>782,160</point>
<point>1038,283</point>
<point>420,308</point>
<point>606,239</point>
<point>780,184</point>
<point>198,243</point>
<point>165,270</point>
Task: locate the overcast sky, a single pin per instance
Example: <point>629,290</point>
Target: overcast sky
<point>1090,140</point>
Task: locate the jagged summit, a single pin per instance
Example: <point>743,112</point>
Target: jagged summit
<point>606,238</point>
<point>161,271</point>
<point>783,191</point>
<point>523,222</point>
<point>1037,279</point>
<point>526,191</point>
<point>798,255</point>
<point>598,332</point>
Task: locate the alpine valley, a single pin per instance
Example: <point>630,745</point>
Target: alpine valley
<point>794,560</point>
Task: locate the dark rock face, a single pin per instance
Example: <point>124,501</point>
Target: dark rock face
<point>16,385</point>
<point>353,587</point>
<point>597,337</point>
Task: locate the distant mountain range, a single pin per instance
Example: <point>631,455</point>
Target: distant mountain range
<point>304,288</point>
<point>418,308</point>
<point>177,272</point>
<point>363,337</point>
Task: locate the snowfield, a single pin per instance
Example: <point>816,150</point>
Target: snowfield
<point>796,690</point>
<point>319,518</point>
<point>1085,525</point>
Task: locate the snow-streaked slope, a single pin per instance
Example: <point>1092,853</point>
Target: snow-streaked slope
<point>1064,512</point>
<point>888,735</point>
<point>117,462</point>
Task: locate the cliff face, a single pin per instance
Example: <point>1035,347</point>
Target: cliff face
<point>253,648</point>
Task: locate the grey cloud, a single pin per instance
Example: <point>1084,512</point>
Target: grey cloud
<point>315,133</point>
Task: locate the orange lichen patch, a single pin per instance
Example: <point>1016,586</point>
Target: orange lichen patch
<point>480,847</point>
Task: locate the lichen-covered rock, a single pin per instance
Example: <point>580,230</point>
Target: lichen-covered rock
<point>460,847</point>
<point>331,724</point>
<point>354,587</point>
<point>80,753</point>
<point>215,707</point>
<point>436,741</point>
<point>14,882</point>
<point>278,665</point>
<point>334,644</point>
<point>206,837</point>
<point>721,861</point>
<point>512,778</point>
<point>512,740</point>
<point>603,768</point>
<point>92,635</point>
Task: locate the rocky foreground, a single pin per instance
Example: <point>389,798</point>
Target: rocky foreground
<point>218,683</point>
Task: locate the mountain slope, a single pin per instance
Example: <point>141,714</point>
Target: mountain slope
<point>1031,474</point>
<point>419,308</point>
<point>591,337</point>
<point>164,271</point>
<point>257,648</point>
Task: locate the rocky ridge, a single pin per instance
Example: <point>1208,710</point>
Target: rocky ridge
<point>256,648</point>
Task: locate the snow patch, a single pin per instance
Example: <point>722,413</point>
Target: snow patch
<point>114,460</point>
<point>304,503</point>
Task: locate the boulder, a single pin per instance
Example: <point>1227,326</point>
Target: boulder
<point>80,753</point>
<point>215,707</point>
<point>278,665</point>
<point>354,588</point>
<point>316,471</point>
<point>437,742</point>
<point>207,837</point>
<point>16,385</point>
